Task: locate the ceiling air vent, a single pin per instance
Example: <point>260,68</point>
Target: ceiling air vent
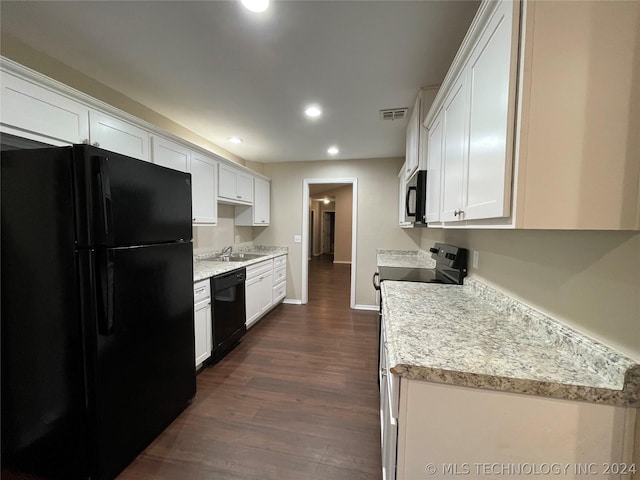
<point>393,114</point>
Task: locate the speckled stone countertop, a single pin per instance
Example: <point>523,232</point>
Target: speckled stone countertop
<point>475,336</point>
<point>203,268</point>
<point>404,258</point>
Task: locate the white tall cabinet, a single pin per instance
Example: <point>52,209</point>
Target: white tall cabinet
<point>204,189</point>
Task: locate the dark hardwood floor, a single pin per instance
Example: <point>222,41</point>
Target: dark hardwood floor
<point>297,399</point>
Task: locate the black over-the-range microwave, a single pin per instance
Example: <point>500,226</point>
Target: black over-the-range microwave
<point>416,199</point>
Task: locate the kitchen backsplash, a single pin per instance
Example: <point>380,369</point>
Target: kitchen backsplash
<point>206,239</point>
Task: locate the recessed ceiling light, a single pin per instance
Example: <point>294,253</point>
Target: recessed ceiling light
<point>313,111</point>
<point>333,150</point>
<point>326,201</point>
<point>235,139</point>
<point>256,5</point>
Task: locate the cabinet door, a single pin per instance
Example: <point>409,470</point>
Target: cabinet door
<point>244,186</point>
<point>261,202</point>
<point>266,292</point>
<point>34,112</point>
<point>202,325</point>
<point>454,150</point>
<point>488,180</point>
<point>170,154</point>
<point>118,136</point>
<point>413,140</point>
<point>434,170</point>
<point>252,299</point>
<point>204,190</point>
<point>227,182</point>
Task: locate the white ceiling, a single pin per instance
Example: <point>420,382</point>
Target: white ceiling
<point>221,71</point>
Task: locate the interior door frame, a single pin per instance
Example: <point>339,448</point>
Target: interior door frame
<point>305,233</point>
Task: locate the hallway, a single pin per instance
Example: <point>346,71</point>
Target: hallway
<point>297,399</point>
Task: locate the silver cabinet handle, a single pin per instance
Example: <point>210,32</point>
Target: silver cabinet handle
<point>458,212</point>
<point>96,144</point>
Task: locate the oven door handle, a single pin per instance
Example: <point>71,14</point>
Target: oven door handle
<point>376,285</point>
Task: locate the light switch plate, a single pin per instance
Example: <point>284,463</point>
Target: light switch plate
<point>297,239</point>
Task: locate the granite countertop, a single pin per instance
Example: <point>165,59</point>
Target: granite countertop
<point>475,336</point>
<point>203,268</point>
<point>404,258</point>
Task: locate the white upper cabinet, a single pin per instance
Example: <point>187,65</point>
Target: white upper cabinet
<point>434,170</point>
<point>261,201</point>
<point>170,154</point>
<point>234,186</point>
<point>259,214</point>
<point>488,171</point>
<point>117,136</point>
<point>477,110</point>
<point>32,111</point>
<point>454,150</point>
<point>413,140</point>
<point>204,190</point>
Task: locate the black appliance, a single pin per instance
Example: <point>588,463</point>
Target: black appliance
<point>97,309</point>
<point>416,199</point>
<point>229,311</point>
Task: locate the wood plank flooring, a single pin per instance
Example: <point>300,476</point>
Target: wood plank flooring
<point>297,399</point>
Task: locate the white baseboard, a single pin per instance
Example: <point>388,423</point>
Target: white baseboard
<point>373,308</point>
<point>292,301</point>
<point>339,261</point>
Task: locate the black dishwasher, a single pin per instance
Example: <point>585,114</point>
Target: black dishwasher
<point>229,312</point>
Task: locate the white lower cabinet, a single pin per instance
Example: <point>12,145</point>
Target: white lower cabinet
<point>482,434</point>
<point>265,287</point>
<point>202,320</point>
<point>259,286</point>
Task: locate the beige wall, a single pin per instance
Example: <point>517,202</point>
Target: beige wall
<point>207,239</point>
<point>19,52</point>
<point>377,218</point>
<point>343,206</point>
<point>587,279</point>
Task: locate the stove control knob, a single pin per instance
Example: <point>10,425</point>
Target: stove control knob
<point>434,250</point>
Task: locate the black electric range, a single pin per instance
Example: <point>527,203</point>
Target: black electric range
<point>451,268</point>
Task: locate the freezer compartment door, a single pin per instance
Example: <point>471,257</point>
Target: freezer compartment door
<point>123,201</point>
<point>144,374</point>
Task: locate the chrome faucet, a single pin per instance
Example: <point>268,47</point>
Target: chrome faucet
<point>226,251</point>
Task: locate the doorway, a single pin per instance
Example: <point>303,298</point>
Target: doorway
<point>322,235</point>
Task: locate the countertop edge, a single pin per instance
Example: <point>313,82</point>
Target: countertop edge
<point>558,391</point>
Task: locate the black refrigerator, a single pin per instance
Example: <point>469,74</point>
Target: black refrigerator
<point>97,309</point>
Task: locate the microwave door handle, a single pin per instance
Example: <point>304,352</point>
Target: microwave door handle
<point>406,203</point>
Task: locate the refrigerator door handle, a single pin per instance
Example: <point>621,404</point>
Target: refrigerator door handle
<point>104,194</point>
<point>106,280</point>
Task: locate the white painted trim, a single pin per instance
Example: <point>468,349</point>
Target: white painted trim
<point>305,233</point>
<point>292,301</point>
<point>342,261</point>
<point>372,308</point>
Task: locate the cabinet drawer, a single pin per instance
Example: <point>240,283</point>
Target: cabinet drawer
<point>279,274</point>
<point>201,291</point>
<point>279,261</point>
<point>258,269</point>
<point>279,292</point>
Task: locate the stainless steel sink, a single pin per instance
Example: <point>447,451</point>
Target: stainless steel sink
<point>236,257</point>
